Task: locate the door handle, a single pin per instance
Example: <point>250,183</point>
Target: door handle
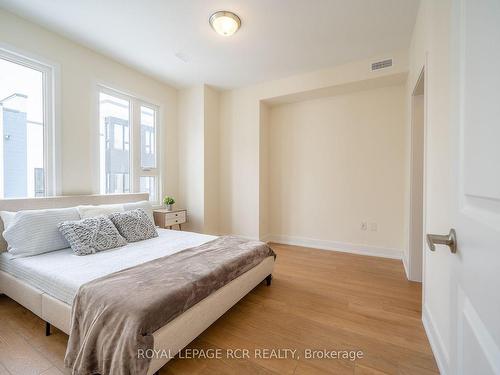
<point>449,239</point>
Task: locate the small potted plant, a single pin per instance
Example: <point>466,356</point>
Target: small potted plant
<point>168,202</point>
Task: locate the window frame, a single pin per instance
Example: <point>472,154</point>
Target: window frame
<point>51,114</point>
<point>135,168</point>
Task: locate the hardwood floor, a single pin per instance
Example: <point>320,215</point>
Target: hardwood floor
<point>317,300</point>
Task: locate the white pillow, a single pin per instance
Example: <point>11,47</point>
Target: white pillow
<point>145,205</point>
<point>102,209</point>
<point>7,217</point>
<point>36,232</point>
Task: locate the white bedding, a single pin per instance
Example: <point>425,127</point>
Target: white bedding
<point>60,273</point>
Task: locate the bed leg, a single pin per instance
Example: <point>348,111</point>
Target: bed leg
<point>47,329</point>
<point>269,279</point>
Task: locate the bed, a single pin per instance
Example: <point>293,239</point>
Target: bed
<point>47,283</point>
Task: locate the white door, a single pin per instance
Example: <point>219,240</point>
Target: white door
<point>475,130</point>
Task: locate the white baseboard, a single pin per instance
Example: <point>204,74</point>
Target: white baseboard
<point>436,341</point>
<point>336,246</point>
<point>405,266</point>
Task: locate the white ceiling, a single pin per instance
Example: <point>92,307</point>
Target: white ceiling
<point>278,38</point>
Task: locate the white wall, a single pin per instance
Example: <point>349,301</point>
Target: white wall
<point>81,70</point>
<point>211,170</point>
<point>239,163</point>
<point>198,130</point>
<point>191,134</point>
<point>264,171</point>
<point>337,162</point>
<point>240,118</point>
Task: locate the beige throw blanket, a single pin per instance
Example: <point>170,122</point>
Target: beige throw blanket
<point>115,316</point>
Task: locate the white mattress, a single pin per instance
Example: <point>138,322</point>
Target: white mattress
<point>60,273</point>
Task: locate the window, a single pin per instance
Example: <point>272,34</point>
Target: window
<point>118,136</point>
<point>39,182</point>
<point>26,127</point>
<point>114,119</point>
<point>148,137</point>
<point>128,127</point>
<point>148,185</point>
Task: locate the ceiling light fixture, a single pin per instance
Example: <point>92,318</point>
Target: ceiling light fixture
<point>224,22</point>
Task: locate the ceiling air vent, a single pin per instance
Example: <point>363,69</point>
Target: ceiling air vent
<point>382,64</point>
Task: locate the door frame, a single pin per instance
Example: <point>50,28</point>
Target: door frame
<point>415,272</point>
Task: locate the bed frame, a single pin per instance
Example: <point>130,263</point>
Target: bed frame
<point>172,337</point>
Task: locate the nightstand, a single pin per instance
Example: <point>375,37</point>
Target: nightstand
<point>164,218</point>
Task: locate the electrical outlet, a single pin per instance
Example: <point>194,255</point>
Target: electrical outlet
<point>373,227</point>
<point>364,225</point>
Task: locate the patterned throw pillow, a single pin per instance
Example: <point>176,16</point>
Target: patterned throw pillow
<point>134,225</point>
<point>88,236</point>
